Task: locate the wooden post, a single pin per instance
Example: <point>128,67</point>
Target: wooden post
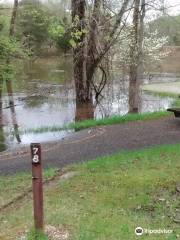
<point>37,185</point>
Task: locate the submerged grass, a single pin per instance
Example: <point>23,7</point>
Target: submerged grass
<point>110,197</point>
<point>174,96</point>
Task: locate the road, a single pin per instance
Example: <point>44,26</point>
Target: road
<point>91,143</point>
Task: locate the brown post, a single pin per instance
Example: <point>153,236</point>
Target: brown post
<point>37,186</point>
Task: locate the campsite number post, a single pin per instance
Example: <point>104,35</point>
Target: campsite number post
<point>37,185</point>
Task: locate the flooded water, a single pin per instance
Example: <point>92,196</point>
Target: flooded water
<point>44,98</point>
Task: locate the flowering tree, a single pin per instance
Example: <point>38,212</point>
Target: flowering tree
<point>152,48</point>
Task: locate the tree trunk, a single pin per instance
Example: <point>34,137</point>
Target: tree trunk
<point>13,18</point>
<point>83,91</point>
<point>9,82</point>
<point>134,58</point>
<point>140,42</point>
<point>88,53</point>
<point>84,111</point>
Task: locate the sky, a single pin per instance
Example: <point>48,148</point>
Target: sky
<point>172,11</point>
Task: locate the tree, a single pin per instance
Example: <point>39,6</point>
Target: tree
<point>134,58</point>
<point>141,38</point>
<point>59,32</point>
<point>9,81</point>
<point>138,51</point>
<point>33,21</point>
<point>9,48</point>
<point>88,51</point>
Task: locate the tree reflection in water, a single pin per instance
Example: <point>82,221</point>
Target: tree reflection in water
<point>2,137</point>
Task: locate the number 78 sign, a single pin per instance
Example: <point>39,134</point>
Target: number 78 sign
<point>36,153</point>
<point>37,185</point>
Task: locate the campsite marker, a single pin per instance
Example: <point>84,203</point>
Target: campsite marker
<point>37,186</point>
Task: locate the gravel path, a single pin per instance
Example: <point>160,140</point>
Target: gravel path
<point>91,143</point>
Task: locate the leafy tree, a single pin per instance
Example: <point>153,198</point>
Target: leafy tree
<point>8,48</point>
<point>33,21</point>
<point>60,33</point>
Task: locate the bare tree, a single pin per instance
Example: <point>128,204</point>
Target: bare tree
<point>13,18</point>
<point>134,58</point>
<point>141,38</point>
<point>88,53</point>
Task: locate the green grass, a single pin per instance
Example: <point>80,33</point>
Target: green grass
<point>13,186</point>
<point>161,94</point>
<point>176,103</point>
<point>99,122</point>
<point>109,197</point>
<point>33,235</point>
<point>117,119</point>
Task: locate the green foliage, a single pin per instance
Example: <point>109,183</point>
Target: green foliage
<point>9,48</point>
<point>33,22</point>
<point>59,32</point>
<point>77,33</point>
<point>4,25</point>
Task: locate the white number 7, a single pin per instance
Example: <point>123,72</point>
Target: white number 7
<point>35,150</point>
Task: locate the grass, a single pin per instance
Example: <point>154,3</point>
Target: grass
<point>99,122</point>
<point>33,235</point>
<point>176,103</point>
<point>109,198</point>
<point>161,94</point>
<point>170,89</point>
<point>117,119</point>
<point>12,186</point>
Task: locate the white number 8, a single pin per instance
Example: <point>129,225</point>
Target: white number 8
<point>36,159</point>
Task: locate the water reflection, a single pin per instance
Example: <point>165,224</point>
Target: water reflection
<point>45,97</point>
<point>2,137</point>
<point>12,109</point>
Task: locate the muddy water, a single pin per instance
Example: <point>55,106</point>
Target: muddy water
<point>44,97</point>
